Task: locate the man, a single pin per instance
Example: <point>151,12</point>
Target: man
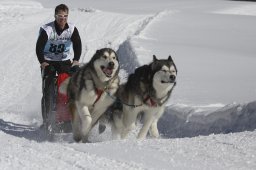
<point>54,53</point>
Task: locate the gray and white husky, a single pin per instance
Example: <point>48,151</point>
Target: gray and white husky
<point>146,91</point>
<point>90,91</point>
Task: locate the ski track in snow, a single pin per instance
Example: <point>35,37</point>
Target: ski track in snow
<point>77,159</point>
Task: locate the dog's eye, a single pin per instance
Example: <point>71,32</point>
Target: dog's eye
<point>105,57</point>
<point>164,71</point>
<point>114,58</point>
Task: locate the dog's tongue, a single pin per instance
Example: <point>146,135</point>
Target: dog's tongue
<point>108,71</point>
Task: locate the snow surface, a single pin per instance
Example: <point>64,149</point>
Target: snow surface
<point>210,120</point>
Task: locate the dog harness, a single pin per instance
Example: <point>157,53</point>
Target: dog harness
<point>99,93</point>
<point>150,102</point>
<point>58,47</point>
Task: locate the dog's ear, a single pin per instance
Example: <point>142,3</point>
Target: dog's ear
<point>154,58</point>
<point>170,58</point>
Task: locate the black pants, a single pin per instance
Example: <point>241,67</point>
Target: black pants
<point>49,86</point>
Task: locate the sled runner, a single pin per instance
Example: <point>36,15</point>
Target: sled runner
<point>56,116</point>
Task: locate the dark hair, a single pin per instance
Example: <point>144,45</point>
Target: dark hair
<point>61,7</point>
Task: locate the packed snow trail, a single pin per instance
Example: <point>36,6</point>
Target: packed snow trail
<point>185,153</point>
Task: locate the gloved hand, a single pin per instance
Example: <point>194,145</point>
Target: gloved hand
<point>74,69</point>
<point>44,64</point>
<point>75,63</point>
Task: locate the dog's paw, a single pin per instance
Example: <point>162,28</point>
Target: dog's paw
<point>77,138</point>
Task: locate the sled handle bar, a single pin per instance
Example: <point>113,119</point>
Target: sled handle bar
<point>43,70</point>
<point>71,71</point>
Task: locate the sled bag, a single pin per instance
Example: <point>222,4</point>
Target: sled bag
<point>62,112</point>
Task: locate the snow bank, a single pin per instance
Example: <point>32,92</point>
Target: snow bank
<point>181,121</point>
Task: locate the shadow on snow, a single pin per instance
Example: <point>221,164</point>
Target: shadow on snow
<point>25,131</point>
<point>127,57</point>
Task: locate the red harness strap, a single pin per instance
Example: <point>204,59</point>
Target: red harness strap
<point>99,93</point>
<point>150,101</point>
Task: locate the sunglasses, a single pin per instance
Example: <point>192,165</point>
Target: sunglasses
<point>61,16</point>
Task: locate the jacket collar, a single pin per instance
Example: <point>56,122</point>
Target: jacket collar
<point>57,28</point>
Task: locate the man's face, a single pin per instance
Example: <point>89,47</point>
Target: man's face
<point>61,17</point>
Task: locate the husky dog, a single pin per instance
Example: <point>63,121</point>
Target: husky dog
<point>90,91</point>
<point>146,91</point>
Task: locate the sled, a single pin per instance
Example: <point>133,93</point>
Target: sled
<point>57,117</point>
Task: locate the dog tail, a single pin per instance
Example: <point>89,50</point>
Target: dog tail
<point>64,86</point>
